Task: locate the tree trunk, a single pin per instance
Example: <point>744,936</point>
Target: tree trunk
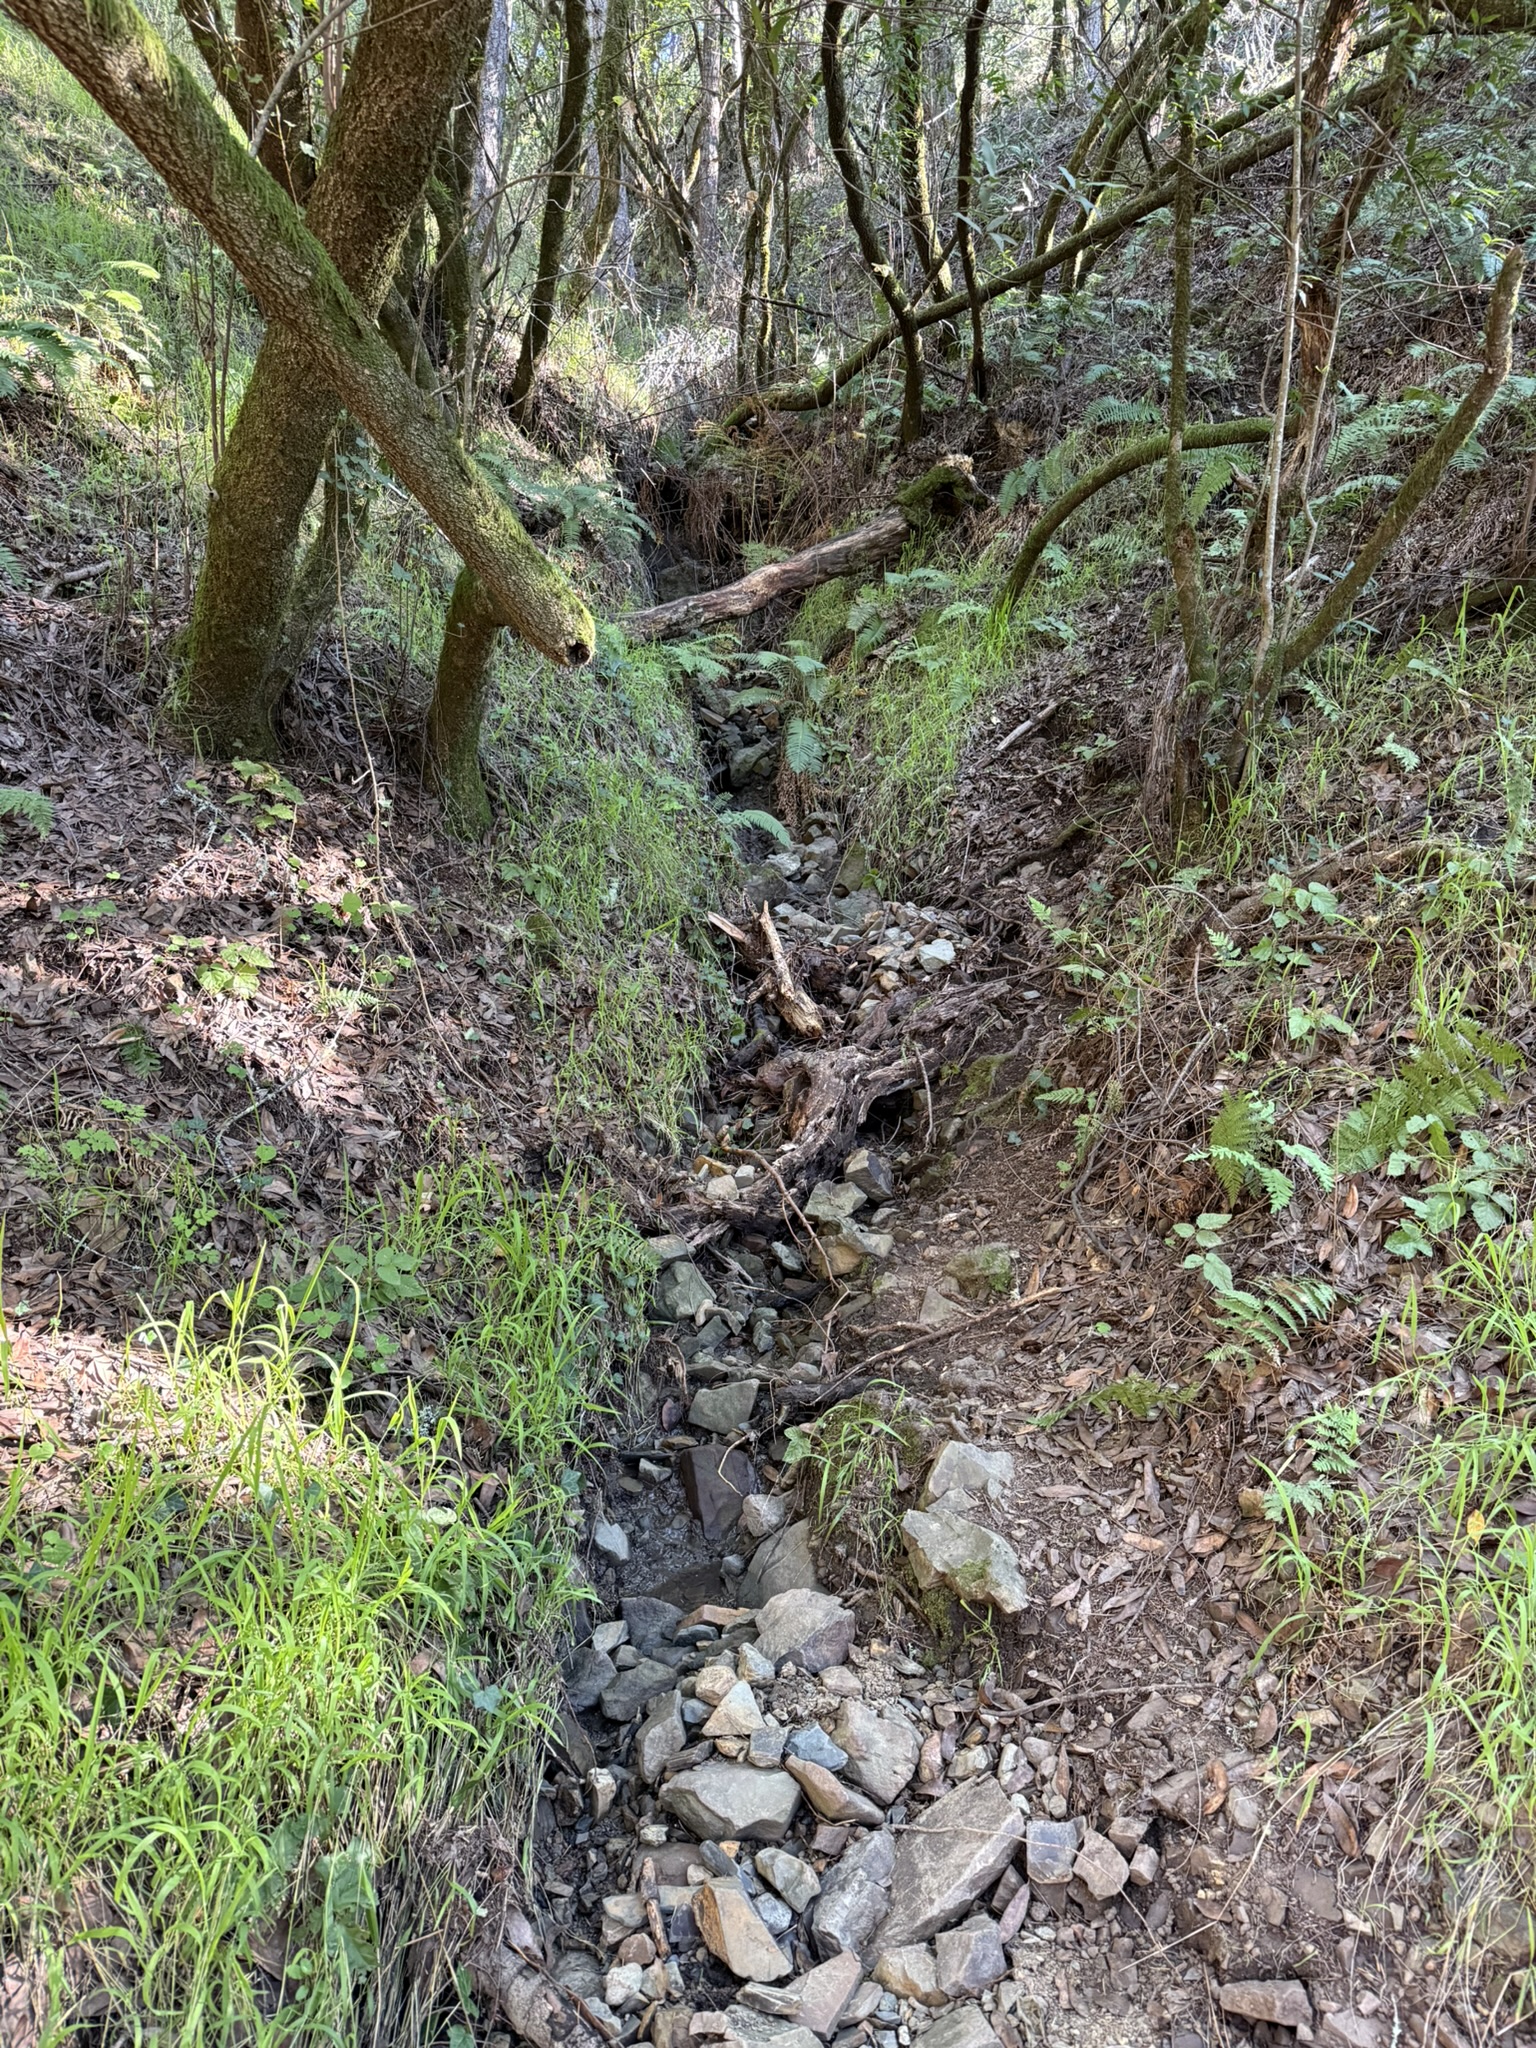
<point>386,131</point>
<point>707,190</point>
<point>608,135</point>
<point>458,706</point>
<point>332,555</point>
<point>861,223</point>
<point>1179,794</point>
<point>484,190</point>
<point>912,151</point>
<point>557,206</point>
<point>157,102</point>
<point>975,25</point>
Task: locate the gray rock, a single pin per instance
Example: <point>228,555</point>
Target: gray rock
<point>726,1409</point>
<point>936,954</point>
<point>948,1857</point>
<point>660,1738</point>
<point>667,1250</point>
<point>882,1750</point>
<point>832,1799</point>
<point>732,1802</point>
<point>969,1958</point>
<point>795,1882</point>
<point>855,1896</point>
<point>682,1291</point>
<point>611,1540</point>
<point>810,1630</point>
<point>1050,1850</point>
<point>765,1748</point>
<point>589,1673</point>
<point>937,1309</point>
<point>964,1556</point>
<point>825,1992</point>
<point>1144,1864</point>
<point>1100,1866</point>
<point>753,1666</point>
<point>763,1514</point>
<point>1180,1797</point>
<point>870,1171</point>
<point>609,1634</point>
<point>982,1269</point>
<point>650,1621</point>
<point>1282,2001</point>
<point>964,2026</point>
<point>812,1745</point>
<point>624,1988</point>
<point>632,1689</point>
<point>715,1483</point>
<point>774,1914</point>
<point>1353,2030</point>
<point>831,1201</point>
<point>782,1564</point>
<point>750,762</point>
<point>966,1468</point>
<point>737,1714</point>
<point>760,2031</point>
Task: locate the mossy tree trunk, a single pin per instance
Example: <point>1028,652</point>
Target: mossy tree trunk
<point>459,698</point>
<point>861,221</point>
<point>119,59</point>
<point>557,206</point>
<point>406,69</point>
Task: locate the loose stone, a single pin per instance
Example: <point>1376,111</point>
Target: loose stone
<point>732,1802</point>
<point>830,1797</point>
<point>731,1930</point>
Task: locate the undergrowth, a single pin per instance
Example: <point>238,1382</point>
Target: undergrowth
<point>260,1672</point>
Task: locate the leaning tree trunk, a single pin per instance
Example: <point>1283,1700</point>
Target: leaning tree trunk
<point>557,207</point>
<point>407,67</point>
<point>153,97</point>
<point>331,556</point>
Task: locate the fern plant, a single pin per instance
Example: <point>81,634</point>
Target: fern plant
<point>1242,1149</point>
<point>1332,1436</point>
<point>30,806</point>
<point>1456,1071</point>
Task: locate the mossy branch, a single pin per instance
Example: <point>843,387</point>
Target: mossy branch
<point>1124,462</point>
<point>154,98</point>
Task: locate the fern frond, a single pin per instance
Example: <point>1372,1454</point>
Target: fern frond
<point>1121,412</point>
<point>31,806</point>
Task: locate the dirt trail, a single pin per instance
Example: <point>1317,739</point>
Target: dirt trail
<point>1160,1867</point>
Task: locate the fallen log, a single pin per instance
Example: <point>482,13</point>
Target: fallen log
<point>946,490</point>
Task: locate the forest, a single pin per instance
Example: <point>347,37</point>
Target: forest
<point>767,908</point>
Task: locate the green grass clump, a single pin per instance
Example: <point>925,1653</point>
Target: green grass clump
<point>253,1664</point>
<point>613,839</point>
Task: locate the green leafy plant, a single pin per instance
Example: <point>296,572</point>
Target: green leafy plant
<point>84,920</point>
<point>1456,1070</point>
<point>1475,1185</point>
<point>237,970</point>
<point>266,793</point>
